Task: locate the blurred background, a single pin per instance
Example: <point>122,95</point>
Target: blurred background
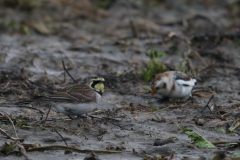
<point>183,35</point>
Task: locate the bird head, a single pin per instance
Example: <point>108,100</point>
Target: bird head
<point>97,85</point>
<point>157,84</point>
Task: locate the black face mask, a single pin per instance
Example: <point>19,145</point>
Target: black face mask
<point>93,86</point>
<point>94,83</point>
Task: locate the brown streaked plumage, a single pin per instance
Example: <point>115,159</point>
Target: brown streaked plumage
<point>78,93</point>
<point>78,99</point>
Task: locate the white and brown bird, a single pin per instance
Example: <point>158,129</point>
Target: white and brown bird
<point>77,100</point>
<point>173,84</point>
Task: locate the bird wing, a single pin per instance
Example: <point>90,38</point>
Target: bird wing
<point>184,79</point>
<point>78,93</point>
<point>83,92</point>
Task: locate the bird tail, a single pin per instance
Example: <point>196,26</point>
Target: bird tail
<point>29,101</point>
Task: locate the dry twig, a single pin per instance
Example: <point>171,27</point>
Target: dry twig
<point>207,105</point>
<point>5,114</point>
<point>5,134</point>
<point>68,72</point>
<point>66,148</point>
<point>60,136</point>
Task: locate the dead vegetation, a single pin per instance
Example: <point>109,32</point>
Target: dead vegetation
<point>127,43</point>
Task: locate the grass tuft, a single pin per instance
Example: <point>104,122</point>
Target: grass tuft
<point>154,67</point>
<point>104,4</point>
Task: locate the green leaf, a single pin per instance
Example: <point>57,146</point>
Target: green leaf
<point>154,108</point>
<point>236,155</point>
<point>8,149</point>
<point>152,53</point>
<point>231,144</point>
<point>198,139</point>
<point>152,69</point>
<point>133,135</point>
<point>235,125</point>
<point>221,130</point>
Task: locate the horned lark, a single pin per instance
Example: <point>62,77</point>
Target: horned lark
<point>77,100</point>
<point>173,84</point>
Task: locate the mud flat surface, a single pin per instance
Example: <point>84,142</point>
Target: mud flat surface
<point>113,40</point>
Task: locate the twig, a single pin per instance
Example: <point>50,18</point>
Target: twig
<point>207,105</point>
<point>191,66</point>
<point>107,118</point>
<point>23,150</point>
<point>31,84</point>
<point>132,93</point>
<point>226,66</point>
<point>170,106</point>
<point>31,108</point>
<point>205,95</point>
<point>5,134</point>
<point>174,106</point>
<point>110,120</point>
<point>208,67</point>
<point>60,136</point>
<point>236,132</point>
<point>5,114</point>
<point>64,74</point>
<point>133,28</point>
<point>200,58</point>
<point>47,113</point>
<point>68,72</point>
<point>59,147</point>
<point>222,142</point>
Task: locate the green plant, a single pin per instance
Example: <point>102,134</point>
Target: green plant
<point>182,67</point>
<point>220,130</point>
<point>236,155</point>
<point>198,139</point>
<point>154,108</point>
<point>8,149</point>
<point>25,5</point>
<point>104,4</point>
<point>154,67</point>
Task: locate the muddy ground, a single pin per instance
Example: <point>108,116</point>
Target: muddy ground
<point>201,38</point>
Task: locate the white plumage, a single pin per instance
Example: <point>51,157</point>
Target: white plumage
<point>173,84</point>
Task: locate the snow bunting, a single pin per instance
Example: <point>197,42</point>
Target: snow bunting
<point>77,100</point>
<point>173,84</point>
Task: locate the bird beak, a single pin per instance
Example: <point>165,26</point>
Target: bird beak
<point>154,92</point>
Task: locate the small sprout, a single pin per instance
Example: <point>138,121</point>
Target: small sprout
<point>231,144</point>
<point>147,88</point>
<point>154,67</point>
<point>21,123</point>
<point>8,149</point>
<point>221,130</point>
<point>152,53</point>
<point>25,29</point>
<point>24,5</point>
<point>236,155</point>
<point>154,108</point>
<point>133,135</point>
<point>182,67</point>
<point>104,4</point>
<point>26,127</point>
<point>42,127</point>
